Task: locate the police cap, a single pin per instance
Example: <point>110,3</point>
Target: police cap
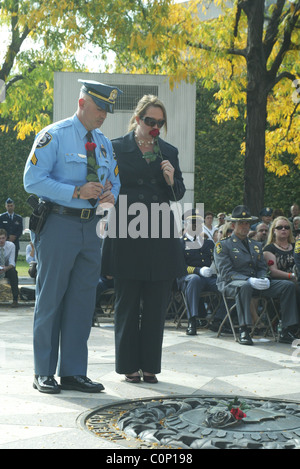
<point>266,212</point>
<point>103,95</point>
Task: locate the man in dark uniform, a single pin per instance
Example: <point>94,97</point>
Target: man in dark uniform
<point>12,224</point>
<point>243,273</point>
<point>198,253</point>
<point>265,216</point>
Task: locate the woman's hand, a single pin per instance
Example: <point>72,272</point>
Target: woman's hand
<point>168,172</point>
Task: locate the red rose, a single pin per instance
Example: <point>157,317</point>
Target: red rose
<point>154,132</point>
<point>90,146</point>
<point>270,262</point>
<point>238,414</point>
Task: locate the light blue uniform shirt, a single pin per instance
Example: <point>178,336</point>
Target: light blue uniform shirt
<point>58,162</point>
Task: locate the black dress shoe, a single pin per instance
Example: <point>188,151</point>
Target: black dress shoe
<point>244,338</point>
<point>46,384</point>
<point>287,337</point>
<point>192,326</point>
<point>80,383</point>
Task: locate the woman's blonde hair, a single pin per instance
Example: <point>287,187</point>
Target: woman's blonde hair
<point>271,235</point>
<point>227,229</point>
<point>144,103</point>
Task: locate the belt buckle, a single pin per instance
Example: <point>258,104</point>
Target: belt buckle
<point>85,213</point>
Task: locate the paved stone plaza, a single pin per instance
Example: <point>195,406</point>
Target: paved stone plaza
<point>201,365</point>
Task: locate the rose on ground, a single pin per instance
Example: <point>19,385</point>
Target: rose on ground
<point>238,414</point>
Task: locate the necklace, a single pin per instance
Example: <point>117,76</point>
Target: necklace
<point>143,142</point>
<point>282,247</point>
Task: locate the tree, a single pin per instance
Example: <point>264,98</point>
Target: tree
<point>251,52</point>
<point>44,36</point>
<point>219,167</point>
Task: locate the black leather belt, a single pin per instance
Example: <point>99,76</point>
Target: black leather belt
<point>83,213</point>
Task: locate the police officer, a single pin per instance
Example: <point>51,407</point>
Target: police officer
<point>12,223</point>
<point>198,254</point>
<point>68,247</point>
<point>242,273</point>
<point>265,216</point>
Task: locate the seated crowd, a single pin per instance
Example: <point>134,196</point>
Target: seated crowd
<point>245,259</point>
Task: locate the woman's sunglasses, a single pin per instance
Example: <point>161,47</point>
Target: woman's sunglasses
<point>280,227</point>
<point>152,122</point>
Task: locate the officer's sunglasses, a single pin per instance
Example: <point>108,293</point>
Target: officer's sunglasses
<point>151,122</point>
<point>280,227</point>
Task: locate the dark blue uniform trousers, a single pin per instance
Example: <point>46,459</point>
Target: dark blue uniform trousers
<point>193,285</point>
<point>68,254</point>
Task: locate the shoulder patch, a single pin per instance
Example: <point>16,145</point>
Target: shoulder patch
<point>43,140</point>
<point>218,248</point>
<point>297,247</point>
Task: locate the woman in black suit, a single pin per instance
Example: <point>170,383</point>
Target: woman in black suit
<point>142,249</point>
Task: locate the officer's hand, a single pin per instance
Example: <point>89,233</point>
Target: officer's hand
<point>107,200</point>
<point>91,190</point>
<point>205,272</point>
<point>108,185</point>
<point>259,283</point>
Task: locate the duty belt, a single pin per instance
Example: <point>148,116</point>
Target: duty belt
<point>83,213</point>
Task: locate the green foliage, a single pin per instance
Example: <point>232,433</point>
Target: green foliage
<point>218,162</point>
<point>219,165</point>
<point>13,156</point>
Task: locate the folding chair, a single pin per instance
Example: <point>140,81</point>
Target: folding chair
<point>212,299</point>
<point>176,304</point>
<point>263,301</point>
<point>229,310</point>
<point>107,305</point>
